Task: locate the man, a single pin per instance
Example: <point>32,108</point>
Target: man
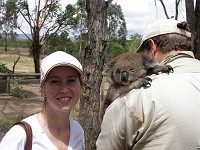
<point>165,116</point>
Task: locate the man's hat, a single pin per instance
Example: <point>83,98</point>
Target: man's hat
<point>164,26</point>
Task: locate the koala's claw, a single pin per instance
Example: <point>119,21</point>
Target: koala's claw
<point>170,69</point>
<point>146,85</point>
<point>167,69</point>
<point>146,82</point>
<point>160,68</point>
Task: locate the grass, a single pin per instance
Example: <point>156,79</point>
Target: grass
<point>6,123</point>
<point>15,43</point>
<point>24,65</point>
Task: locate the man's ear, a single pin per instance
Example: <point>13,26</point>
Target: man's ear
<point>153,47</point>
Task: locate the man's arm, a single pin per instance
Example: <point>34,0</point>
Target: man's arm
<point>112,136</point>
<point>121,124</point>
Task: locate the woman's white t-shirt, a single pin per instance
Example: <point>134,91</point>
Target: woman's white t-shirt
<point>15,138</point>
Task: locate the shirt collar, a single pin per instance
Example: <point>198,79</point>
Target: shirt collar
<point>175,55</point>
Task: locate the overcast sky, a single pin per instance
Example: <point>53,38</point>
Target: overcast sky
<point>139,13</point>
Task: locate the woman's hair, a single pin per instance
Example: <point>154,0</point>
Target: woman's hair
<point>171,41</point>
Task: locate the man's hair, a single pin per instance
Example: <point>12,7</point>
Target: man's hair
<point>171,41</point>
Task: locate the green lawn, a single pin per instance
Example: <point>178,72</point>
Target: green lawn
<point>25,63</point>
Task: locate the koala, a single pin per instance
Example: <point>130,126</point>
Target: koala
<point>128,71</point>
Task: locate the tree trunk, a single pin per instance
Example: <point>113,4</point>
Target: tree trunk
<point>5,43</point>
<point>193,18</point>
<point>197,36</point>
<point>36,57</point>
<point>190,16</point>
<point>93,67</point>
<point>36,49</point>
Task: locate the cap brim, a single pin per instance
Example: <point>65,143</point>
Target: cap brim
<point>63,64</point>
<point>139,49</point>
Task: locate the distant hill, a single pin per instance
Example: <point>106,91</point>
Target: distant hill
<point>23,37</point>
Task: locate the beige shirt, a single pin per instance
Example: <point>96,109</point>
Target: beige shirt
<point>165,116</point>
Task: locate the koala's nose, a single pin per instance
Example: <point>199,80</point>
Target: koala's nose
<point>124,76</point>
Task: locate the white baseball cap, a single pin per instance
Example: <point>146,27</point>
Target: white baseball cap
<point>59,58</point>
<point>160,27</point>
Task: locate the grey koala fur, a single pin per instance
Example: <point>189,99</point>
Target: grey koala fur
<point>129,71</point>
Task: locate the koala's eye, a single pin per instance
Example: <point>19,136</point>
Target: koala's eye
<point>132,70</point>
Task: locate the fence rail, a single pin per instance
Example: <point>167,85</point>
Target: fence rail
<point>21,78</point>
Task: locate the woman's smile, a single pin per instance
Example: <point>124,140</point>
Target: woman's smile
<point>64,100</point>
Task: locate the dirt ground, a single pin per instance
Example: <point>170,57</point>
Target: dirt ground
<point>11,106</point>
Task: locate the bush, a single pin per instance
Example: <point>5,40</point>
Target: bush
<point>6,123</point>
<point>17,91</point>
<point>3,70</point>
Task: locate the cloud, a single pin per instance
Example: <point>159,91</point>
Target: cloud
<point>139,13</point>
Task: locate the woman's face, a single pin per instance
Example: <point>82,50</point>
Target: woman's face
<point>62,88</point>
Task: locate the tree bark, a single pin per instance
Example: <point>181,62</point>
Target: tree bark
<point>5,43</point>
<point>36,49</point>
<point>197,35</point>
<point>93,67</point>
<point>193,18</point>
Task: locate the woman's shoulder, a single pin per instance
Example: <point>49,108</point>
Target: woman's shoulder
<point>75,125</point>
<point>76,135</point>
<point>15,137</point>
<point>31,120</point>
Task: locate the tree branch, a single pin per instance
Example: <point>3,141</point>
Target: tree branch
<point>165,10</point>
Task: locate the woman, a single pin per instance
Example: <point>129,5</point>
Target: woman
<point>52,128</point>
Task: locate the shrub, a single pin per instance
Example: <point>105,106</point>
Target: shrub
<point>6,123</point>
<point>17,91</point>
<point>3,70</point>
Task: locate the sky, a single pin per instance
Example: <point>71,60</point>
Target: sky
<point>139,13</point>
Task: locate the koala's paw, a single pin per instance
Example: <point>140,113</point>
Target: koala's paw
<point>160,68</point>
<point>168,69</point>
<point>146,82</point>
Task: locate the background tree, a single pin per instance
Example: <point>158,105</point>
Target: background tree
<point>114,49</point>
<point>177,2</point>
<point>8,21</point>
<point>134,42</point>
<point>117,30</point>
<point>93,66</point>
<point>193,18</point>
<point>0,5</point>
<point>46,19</point>
<point>81,27</point>
<point>60,42</point>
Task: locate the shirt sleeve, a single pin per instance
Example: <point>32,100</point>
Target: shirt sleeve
<point>121,124</point>
<point>14,139</point>
<point>112,134</point>
<point>76,136</point>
